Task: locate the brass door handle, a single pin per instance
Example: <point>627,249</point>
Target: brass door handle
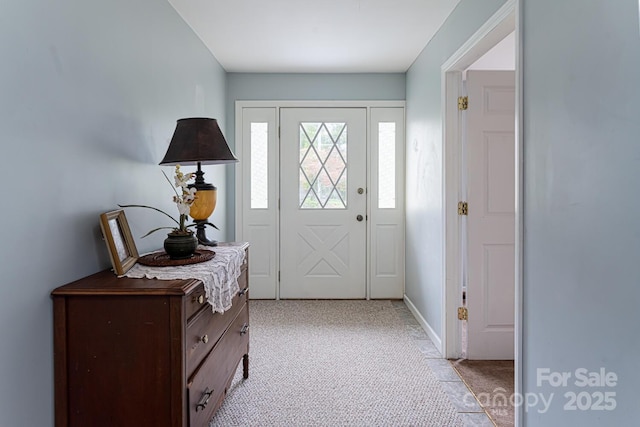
<point>360,190</point>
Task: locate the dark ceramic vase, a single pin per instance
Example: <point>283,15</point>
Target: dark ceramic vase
<point>180,245</point>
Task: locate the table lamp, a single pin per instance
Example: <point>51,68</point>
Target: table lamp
<point>199,141</point>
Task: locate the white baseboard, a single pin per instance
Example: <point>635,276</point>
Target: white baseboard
<point>425,325</point>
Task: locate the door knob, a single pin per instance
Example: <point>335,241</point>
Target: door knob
<point>359,218</point>
<point>360,190</point>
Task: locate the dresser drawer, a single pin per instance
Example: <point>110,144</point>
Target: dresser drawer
<point>208,386</point>
<point>245,261</point>
<point>207,327</point>
<point>195,300</point>
<point>243,282</point>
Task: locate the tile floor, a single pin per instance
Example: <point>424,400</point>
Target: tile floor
<point>468,407</point>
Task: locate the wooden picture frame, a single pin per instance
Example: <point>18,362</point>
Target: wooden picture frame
<point>120,243</point>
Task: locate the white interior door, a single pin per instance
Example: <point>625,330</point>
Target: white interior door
<point>323,202</point>
<point>491,214</point>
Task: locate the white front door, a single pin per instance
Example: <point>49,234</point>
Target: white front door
<point>323,200</point>
<point>491,214</point>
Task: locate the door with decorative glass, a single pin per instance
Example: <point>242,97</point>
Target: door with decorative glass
<point>323,199</point>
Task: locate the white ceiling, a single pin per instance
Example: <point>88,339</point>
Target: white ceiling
<point>315,36</point>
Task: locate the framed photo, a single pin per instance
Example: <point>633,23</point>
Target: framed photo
<point>122,248</point>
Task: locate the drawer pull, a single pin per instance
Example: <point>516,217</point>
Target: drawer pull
<point>199,299</point>
<point>243,291</point>
<point>204,400</point>
<point>245,329</point>
<point>205,339</point>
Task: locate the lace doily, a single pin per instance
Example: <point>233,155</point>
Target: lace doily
<point>219,275</point>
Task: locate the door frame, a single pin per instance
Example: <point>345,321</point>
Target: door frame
<point>506,20</point>
<point>277,105</point>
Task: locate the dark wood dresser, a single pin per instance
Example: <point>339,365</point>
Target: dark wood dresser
<point>144,352</point>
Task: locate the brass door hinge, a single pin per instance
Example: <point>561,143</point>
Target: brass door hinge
<point>463,102</point>
<point>463,208</point>
<point>463,313</point>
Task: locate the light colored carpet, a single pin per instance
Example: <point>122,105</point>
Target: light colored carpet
<point>333,363</point>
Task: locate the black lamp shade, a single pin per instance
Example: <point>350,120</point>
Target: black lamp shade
<point>198,139</point>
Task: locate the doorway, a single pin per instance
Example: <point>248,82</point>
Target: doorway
<point>489,35</point>
<point>501,24</point>
<point>320,198</point>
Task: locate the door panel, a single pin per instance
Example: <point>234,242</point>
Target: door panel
<point>386,206</point>
<point>323,163</point>
<point>491,215</point>
<point>259,224</point>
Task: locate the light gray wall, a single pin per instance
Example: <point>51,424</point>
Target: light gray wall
<point>424,153</point>
<point>295,87</point>
<point>581,176</point>
<point>90,91</point>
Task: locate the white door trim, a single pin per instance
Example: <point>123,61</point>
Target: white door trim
<point>316,104</point>
<point>503,22</point>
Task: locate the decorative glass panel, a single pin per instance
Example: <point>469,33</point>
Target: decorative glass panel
<point>323,165</point>
<point>259,166</point>
<point>386,165</point>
